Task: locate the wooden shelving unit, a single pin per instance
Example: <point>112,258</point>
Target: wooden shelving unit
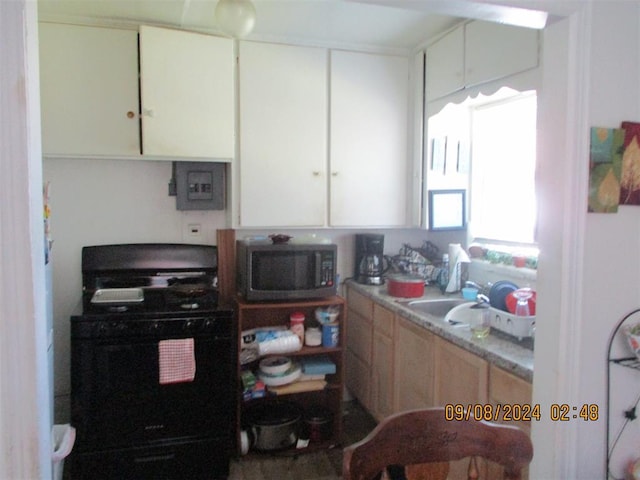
<point>259,315</point>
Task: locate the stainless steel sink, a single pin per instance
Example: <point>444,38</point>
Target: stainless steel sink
<point>437,307</point>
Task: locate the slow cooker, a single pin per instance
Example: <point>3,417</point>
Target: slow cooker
<point>275,426</point>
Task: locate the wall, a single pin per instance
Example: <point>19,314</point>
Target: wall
<point>612,257</point>
<point>25,443</point>
<point>101,201</point>
<point>589,263</point>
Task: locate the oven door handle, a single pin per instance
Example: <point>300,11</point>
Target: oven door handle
<point>155,458</point>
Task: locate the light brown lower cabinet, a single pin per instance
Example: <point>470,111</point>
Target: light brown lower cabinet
<point>461,378</point>
<point>358,367</point>
<point>414,355</point>
<point>382,362</point>
<point>370,357</point>
<point>508,390</point>
<point>357,379</point>
<point>393,365</point>
<point>359,346</point>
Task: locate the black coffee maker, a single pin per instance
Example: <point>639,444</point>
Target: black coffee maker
<point>369,265</point>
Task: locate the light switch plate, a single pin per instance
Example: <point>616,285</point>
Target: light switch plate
<point>200,185</point>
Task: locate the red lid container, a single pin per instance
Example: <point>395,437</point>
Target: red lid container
<point>406,286</point>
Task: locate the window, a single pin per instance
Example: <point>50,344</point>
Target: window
<point>494,141</point>
<point>503,160</point>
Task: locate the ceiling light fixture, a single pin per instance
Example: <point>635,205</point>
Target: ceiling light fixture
<point>235,17</point>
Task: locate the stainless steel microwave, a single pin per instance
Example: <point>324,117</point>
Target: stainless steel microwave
<point>286,271</point>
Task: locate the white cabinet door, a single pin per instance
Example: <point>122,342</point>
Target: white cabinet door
<point>495,51</point>
<point>89,91</point>
<point>445,65</point>
<point>187,94</point>
<point>283,135</point>
<point>368,152</point>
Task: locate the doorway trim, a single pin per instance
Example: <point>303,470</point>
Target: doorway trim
<point>563,180</point>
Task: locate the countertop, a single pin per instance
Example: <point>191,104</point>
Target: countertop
<point>498,348</point>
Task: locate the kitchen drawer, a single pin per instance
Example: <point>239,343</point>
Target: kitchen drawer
<point>360,304</point>
<point>206,459</point>
<point>360,336</point>
<point>383,321</point>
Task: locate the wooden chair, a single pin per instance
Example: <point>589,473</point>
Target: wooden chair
<point>422,442</point>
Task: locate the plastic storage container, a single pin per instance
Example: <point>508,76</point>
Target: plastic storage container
<point>406,286</point>
<point>296,325</point>
<point>313,337</point>
<point>318,424</point>
<point>330,335</point>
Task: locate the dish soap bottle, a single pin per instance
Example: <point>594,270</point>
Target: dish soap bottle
<point>443,277</point>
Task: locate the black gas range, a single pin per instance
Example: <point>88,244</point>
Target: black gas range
<point>153,365</point>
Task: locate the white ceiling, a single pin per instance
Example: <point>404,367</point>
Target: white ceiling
<point>375,24</point>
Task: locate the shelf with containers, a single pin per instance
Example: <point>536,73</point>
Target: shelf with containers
<point>315,398</point>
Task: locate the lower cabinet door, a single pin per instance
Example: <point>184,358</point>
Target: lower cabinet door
<point>507,389</point>
<point>461,377</point>
<point>358,381</point>
<point>413,366</point>
<point>382,376</point>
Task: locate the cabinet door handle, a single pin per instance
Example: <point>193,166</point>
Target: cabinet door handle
<point>334,174</point>
<point>130,114</point>
<point>316,173</point>
<point>147,112</point>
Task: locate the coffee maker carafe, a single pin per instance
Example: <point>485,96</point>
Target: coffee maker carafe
<point>370,258</point>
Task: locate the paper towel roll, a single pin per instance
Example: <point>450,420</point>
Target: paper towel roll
<point>457,256</point>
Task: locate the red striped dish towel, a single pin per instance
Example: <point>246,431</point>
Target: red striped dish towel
<point>177,361</point>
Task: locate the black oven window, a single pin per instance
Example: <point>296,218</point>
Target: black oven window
<point>282,271</point>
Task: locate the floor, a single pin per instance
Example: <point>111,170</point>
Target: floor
<point>323,465</point>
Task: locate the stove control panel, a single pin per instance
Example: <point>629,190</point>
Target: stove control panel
<point>160,328</point>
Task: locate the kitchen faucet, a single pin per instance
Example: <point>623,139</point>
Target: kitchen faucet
<point>482,290</point>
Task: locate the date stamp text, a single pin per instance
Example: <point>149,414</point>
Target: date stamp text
<point>516,412</point>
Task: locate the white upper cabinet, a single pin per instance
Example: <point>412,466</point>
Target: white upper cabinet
<point>368,153</point>
<point>186,86</point>
<point>495,51</point>
<point>89,91</point>
<point>445,65</point>
<point>283,135</point>
<point>476,53</point>
<point>296,118</point>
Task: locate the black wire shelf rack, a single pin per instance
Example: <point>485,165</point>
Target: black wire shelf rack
<point>629,414</point>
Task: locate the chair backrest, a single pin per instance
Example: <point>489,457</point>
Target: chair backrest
<point>425,436</point>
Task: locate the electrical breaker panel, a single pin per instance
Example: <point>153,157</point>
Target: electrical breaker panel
<point>200,185</point>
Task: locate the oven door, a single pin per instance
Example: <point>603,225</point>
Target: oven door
<point>118,401</point>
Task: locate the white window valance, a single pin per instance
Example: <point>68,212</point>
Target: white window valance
<point>523,81</point>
